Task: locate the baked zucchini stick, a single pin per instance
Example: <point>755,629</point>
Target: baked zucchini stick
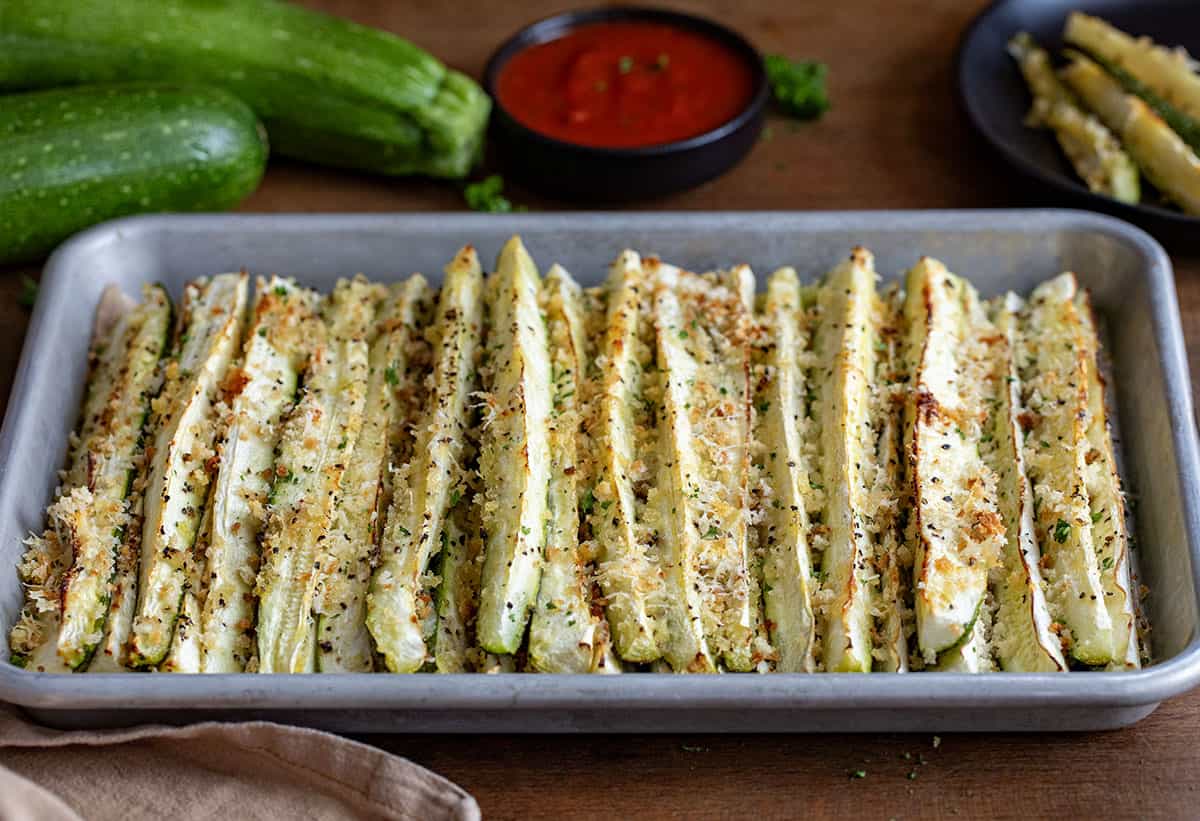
<point>1107,503</point>
<point>112,656</point>
<point>515,456</point>
<point>1166,72</point>
<point>263,388</point>
<point>399,361</point>
<point>784,532</point>
<point>562,631</point>
<point>187,648</point>
<point>728,342</point>
<point>319,435</point>
<point>400,602</point>
<point>185,418</point>
<point>1021,635</point>
<point>1052,357</point>
<point>846,359</point>
<point>958,531</point>
<point>1165,159</point>
<point>93,523</point>
<point>674,503</point>
<point>47,559</point>
<point>622,433</point>
<point>888,491</point>
<point>1092,149</point>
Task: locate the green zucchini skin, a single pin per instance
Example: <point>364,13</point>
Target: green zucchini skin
<point>77,156</point>
<point>329,90</point>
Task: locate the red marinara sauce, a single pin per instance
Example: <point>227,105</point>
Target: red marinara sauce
<point>625,85</point>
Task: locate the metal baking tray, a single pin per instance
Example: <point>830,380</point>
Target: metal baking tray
<point>1128,273</point>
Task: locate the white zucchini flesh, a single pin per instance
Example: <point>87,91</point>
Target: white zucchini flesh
<point>1052,360</point>
<point>887,492</point>
<point>400,601</point>
<point>673,501</point>
<point>1021,636</point>
<point>958,532</point>
<point>213,313</point>
<point>1107,503</point>
<point>1168,72</point>
<point>787,563</point>
<point>562,631</point>
<point>1165,159</point>
<point>972,655</point>
<point>1094,152</point>
<point>399,359</point>
<point>515,457</point>
<point>624,428</point>
<point>263,387</point>
<point>846,361</point>
<point>96,527</point>
<point>319,434</point>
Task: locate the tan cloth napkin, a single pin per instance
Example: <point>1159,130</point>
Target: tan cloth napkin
<point>252,770</point>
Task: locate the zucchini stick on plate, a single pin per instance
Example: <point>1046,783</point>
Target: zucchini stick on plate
<point>788,580</point>
<point>318,439</point>
<point>186,429</point>
<point>1167,72</point>
<point>1092,149</point>
<point>845,362</point>
<point>1052,357</point>
<point>958,532</point>
<point>1022,635</point>
<point>264,388</point>
<point>400,605</point>
<point>563,632</point>
<point>94,518</point>
<point>1165,159</point>
<point>623,439</point>
<point>515,456</point>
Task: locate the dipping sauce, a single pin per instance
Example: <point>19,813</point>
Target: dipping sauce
<point>625,85</point>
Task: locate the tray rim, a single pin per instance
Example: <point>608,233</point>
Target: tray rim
<point>666,691</point>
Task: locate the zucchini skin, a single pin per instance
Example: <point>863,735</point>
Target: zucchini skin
<point>329,90</point>
<point>78,156</point>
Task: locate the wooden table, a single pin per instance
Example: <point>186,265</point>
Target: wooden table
<point>896,138</point>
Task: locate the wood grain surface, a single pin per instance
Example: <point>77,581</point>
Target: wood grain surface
<point>896,138</point>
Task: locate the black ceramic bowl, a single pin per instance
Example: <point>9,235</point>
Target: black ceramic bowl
<point>612,174</point>
<point>997,100</point>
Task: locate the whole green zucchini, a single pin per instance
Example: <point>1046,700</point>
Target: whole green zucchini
<point>74,157</point>
<point>328,90</point>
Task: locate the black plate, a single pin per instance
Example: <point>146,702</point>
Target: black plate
<point>616,174</point>
<point>997,99</point>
